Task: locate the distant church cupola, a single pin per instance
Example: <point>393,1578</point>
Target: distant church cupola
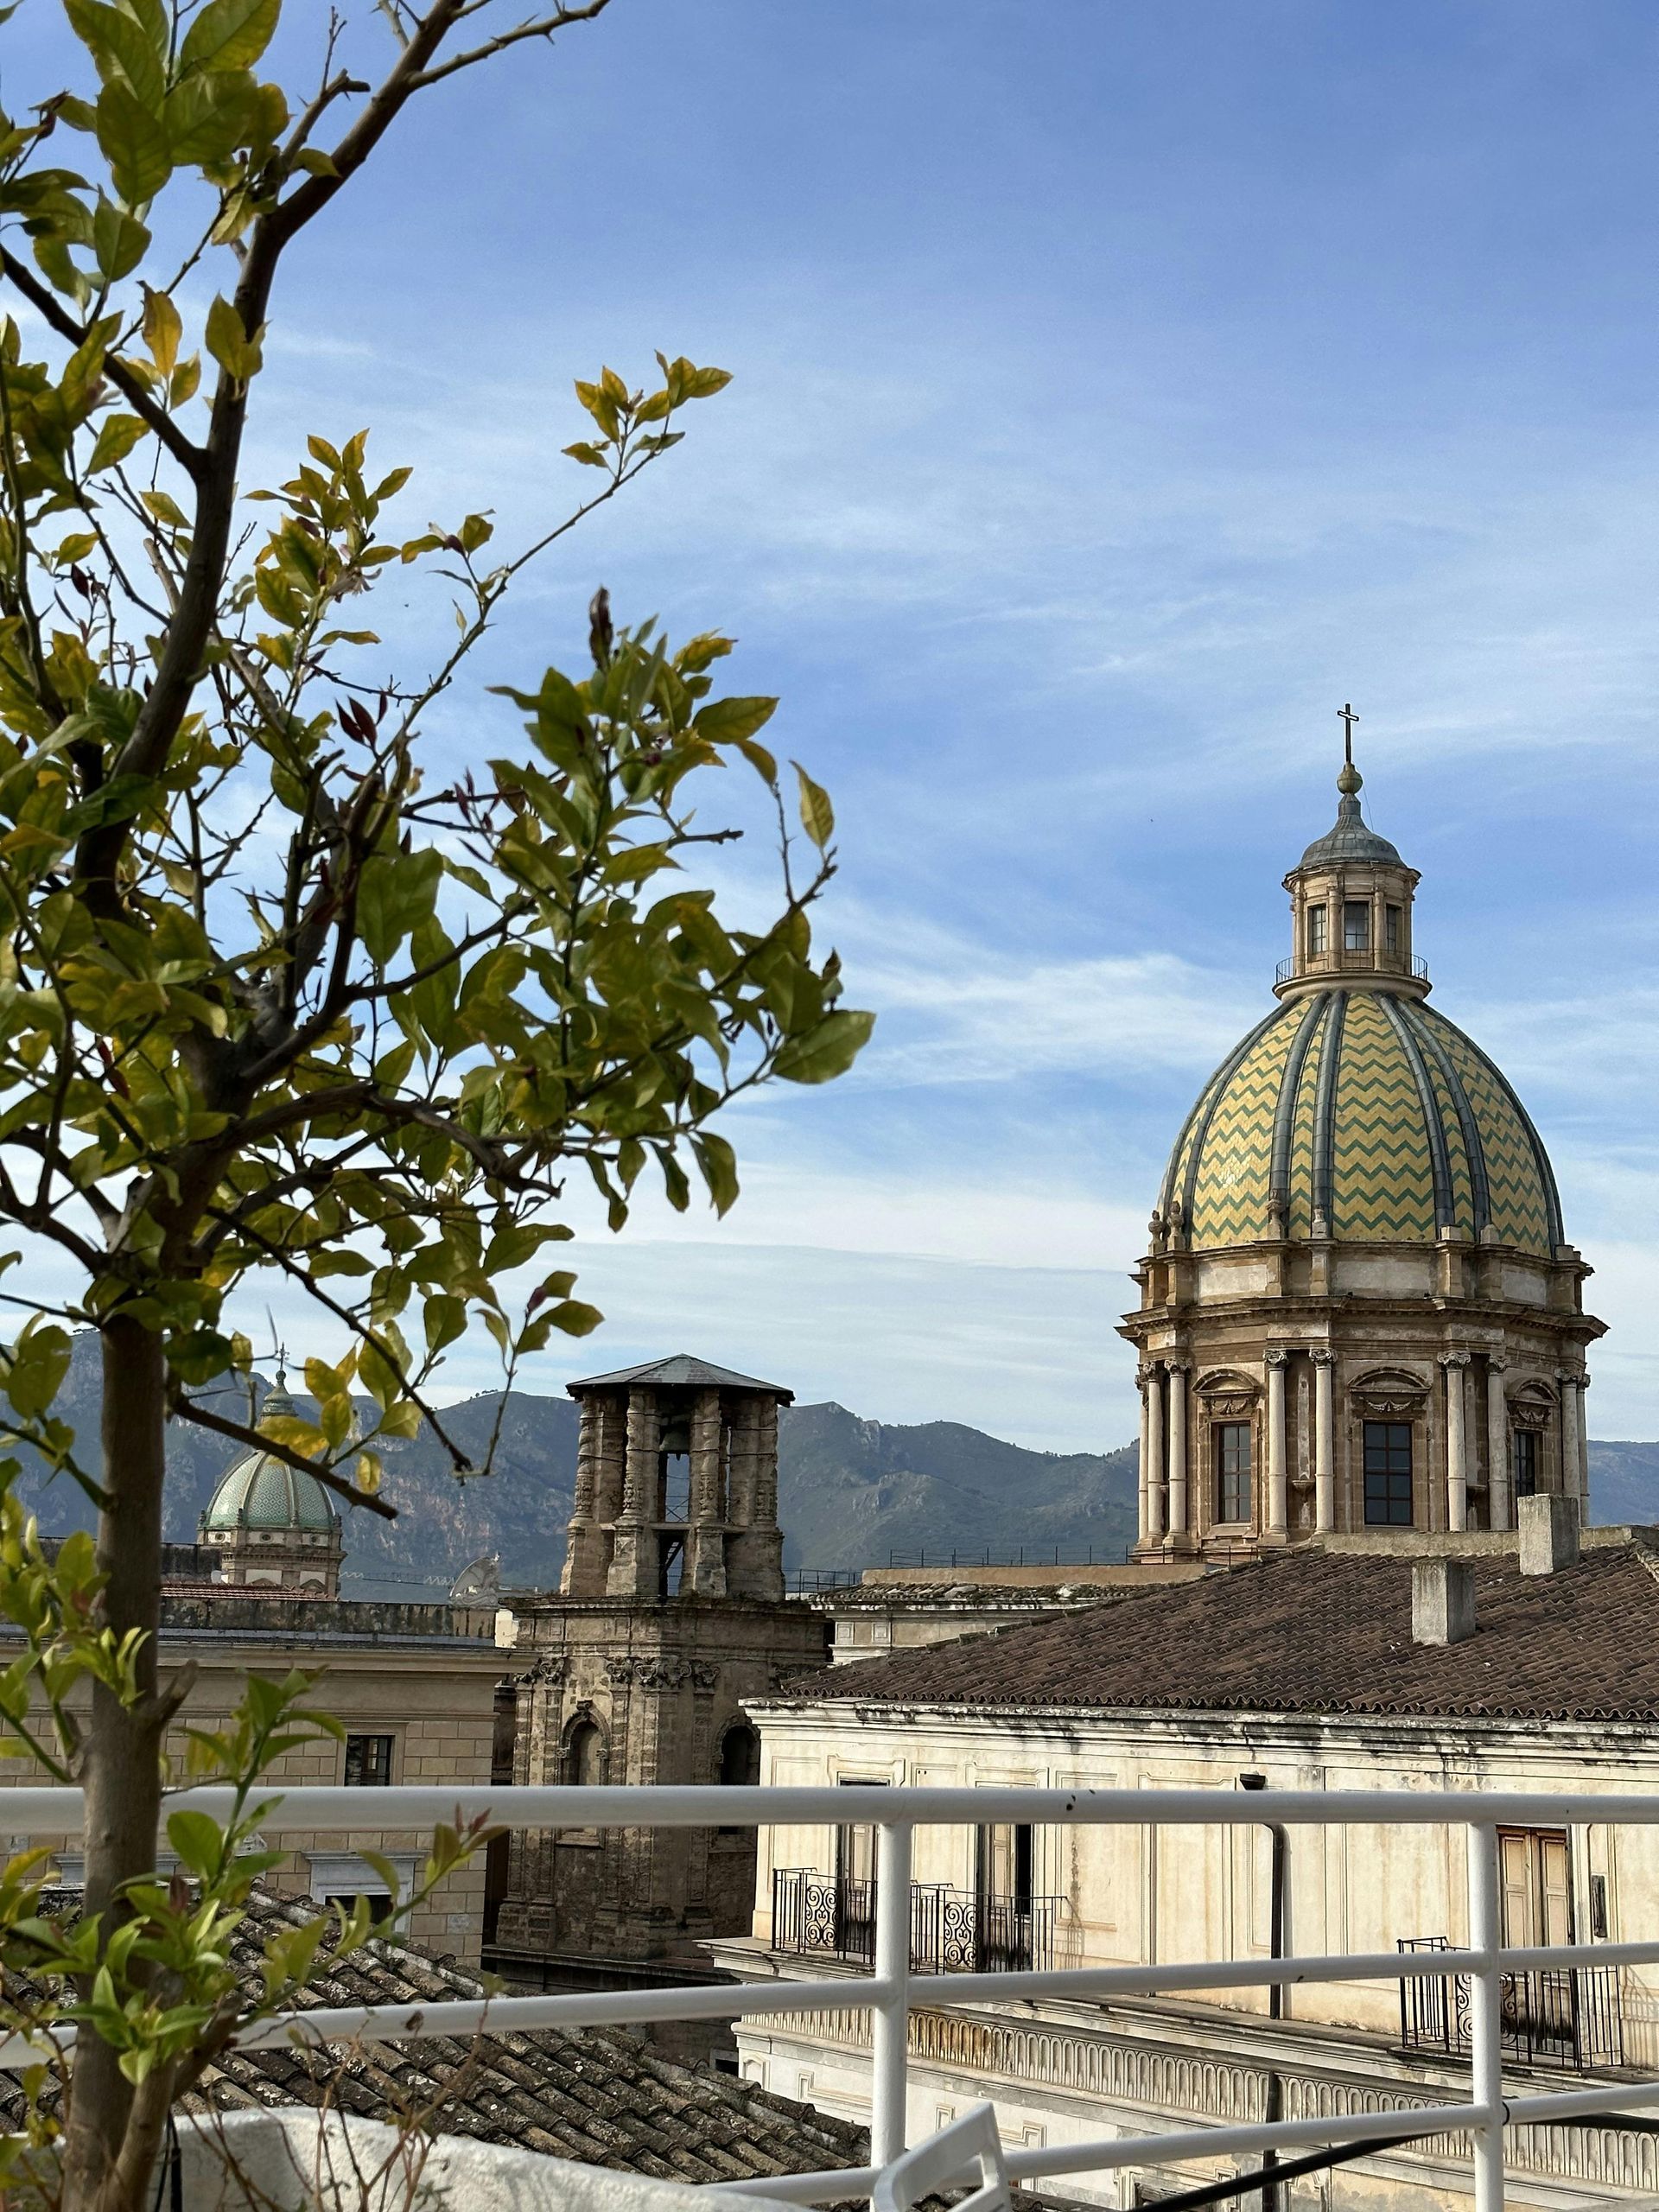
<point>1350,896</point>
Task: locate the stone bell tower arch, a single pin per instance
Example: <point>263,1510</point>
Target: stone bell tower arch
<point>670,1614</point>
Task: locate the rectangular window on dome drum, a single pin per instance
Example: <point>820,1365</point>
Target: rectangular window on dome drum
<point>1387,1474</point>
<point>1391,929</point>
<point>1316,927</point>
<point>1356,925</point>
<point>1232,1448</point>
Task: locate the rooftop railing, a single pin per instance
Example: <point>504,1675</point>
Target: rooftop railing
<point>893,1988</point>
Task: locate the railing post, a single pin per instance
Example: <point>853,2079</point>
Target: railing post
<point>1486,2016</point>
<point>890,2017</point>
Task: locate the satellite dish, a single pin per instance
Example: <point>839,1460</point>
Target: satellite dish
<point>481,1580</point>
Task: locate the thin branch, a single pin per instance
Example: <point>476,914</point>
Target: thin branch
<point>544,28</point>
<point>188,1409</point>
<point>45,302</point>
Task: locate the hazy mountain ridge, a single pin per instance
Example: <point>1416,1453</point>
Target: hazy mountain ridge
<point>851,1490</point>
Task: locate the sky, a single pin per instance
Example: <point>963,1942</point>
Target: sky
<point>1119,387</point>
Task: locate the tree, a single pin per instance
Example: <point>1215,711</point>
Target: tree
<point>275,994</point>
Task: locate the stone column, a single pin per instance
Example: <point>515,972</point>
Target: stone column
<point>1500,1470</point>
<point>1584,1443</point>
<point>1157,1494</point>
<point>1457,1440</point>
<point>755,1552</point>
<point>1276,1519</point>
<point>705,1538</point>
<point>1568,1396</point>
<point>633,1557</point>
<point>1178,1513</point>
<point>584,1545</point>
<point>1325,1442</point>
<point>1143,1465</point>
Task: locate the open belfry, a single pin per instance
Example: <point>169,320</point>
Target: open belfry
<point>1358,1310</point>
<point>671,1613</point>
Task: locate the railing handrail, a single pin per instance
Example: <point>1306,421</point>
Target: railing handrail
<point>890,1992</point>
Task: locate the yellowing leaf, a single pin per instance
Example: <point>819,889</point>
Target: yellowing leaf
<point>229,343</point>
<point>817,816</point>
<point>162,329</point>
<point>229,34</point>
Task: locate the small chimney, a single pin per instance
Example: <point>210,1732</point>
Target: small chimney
<point>1550,1534</point>
<point>1442,1600</point>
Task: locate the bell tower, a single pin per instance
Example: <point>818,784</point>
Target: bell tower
<point>671,1613</point>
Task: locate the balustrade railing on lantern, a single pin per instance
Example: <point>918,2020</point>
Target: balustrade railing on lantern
<point>1491,1973</point>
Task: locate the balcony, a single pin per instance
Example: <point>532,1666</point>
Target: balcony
<point>1567,2016</point>
<point>951,1930</point>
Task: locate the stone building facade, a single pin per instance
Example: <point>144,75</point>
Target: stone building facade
<point>1358,1308</point>
<point>413,1687</point>
<point>1310,1667</point>
<point>670,1616</point>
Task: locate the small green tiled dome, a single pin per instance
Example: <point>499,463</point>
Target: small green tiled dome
<point>259,1491</point>
<point>1367,1113</point>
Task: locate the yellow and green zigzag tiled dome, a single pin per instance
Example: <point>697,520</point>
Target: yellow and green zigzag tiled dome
<point>1371,1111</point>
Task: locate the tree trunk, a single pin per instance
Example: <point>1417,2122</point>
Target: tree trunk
<point>122,1772</point>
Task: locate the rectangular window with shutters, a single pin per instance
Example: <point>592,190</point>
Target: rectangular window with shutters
<point>1387,1474</point>
<point>1526,1462</point>
<point>368,1761</point>
<point>1232,1451</point>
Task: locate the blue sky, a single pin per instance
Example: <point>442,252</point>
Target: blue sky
<point>1119,388</point>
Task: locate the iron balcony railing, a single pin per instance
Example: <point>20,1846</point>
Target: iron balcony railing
<point>1334,963</point>
<point>951,1930</point>
<point>1570,2017</point>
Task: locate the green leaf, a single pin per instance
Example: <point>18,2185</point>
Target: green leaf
<point>817,816</point>
<point>395,893</point>
<point>120,46</point>
<point>827,1049</point>
<point>198,1839</point>
<point>117,437</point>
<point>134,143</point>
<point>228,341</point>
<point>118,240</point>
<point>229,34</point>
<point>207,118</point>
<point>724,721</point>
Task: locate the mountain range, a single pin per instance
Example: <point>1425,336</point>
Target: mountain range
<point>852,1493</point>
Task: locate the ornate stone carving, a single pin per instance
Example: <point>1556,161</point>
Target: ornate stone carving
<point>1277,1357</point>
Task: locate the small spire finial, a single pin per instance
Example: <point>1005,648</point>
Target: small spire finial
<point>1349,780</point>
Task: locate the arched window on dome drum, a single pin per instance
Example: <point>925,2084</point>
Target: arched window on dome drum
<point>586,1755</point>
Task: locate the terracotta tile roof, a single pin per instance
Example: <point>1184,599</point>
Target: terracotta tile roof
<point>595,2095</point>
<point>1307,1631</point>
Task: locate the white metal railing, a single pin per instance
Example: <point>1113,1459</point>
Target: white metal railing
<point>891,1990</point>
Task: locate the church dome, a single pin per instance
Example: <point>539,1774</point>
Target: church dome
<point>260,1492</point>
<point>1363,1115</point>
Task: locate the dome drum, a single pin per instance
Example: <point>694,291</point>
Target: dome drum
<point>1360,1316</point>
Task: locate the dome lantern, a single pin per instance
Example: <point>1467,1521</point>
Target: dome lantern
<point>1350,902</point>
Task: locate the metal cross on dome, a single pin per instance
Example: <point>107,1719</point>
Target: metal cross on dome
<point>1347,717</point>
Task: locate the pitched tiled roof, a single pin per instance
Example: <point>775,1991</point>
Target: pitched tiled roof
<point>595,2095</point>
<point>680,1370</point>
<point>1311,1632</point>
